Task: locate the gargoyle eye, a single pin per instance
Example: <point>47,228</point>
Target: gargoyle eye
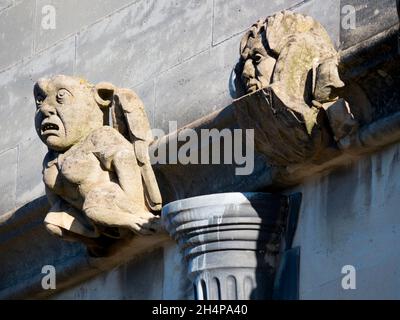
<point>61,94</point>
<point>39,100</point>
<point>258,57</point>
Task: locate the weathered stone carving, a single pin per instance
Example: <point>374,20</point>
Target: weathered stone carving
<point>231,241</point>
<point>290,58</point>
<point>98,178</point>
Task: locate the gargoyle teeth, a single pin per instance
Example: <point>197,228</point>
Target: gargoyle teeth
<point>49,126</point>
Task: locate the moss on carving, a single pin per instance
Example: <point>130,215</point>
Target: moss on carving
<point>304,70</point>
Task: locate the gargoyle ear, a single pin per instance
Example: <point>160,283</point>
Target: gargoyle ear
<point>103,94</point>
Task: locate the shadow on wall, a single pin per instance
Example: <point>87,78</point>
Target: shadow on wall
<point>26,247</point>
<point>398,8</point>
<point>277,270</point>
<point>272,213</point>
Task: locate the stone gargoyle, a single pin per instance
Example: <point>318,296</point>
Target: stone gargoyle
<point>98,178</point>
<point>290,59</point>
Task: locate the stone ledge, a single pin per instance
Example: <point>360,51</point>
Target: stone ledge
<point>25,247</point>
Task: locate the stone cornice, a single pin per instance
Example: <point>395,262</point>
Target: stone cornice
<point>25,246</point>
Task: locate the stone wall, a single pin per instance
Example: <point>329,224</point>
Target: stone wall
<point>351,217</point>
<point>178,55</point>
<point>159,274</point>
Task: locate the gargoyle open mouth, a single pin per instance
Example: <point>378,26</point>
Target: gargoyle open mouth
<point>49,126</point>
<point>49,129</point>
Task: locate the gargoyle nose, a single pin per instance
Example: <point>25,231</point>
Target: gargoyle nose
<point>47,110</point>
<point>248,70</point>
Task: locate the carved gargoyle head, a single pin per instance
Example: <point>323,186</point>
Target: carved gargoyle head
<point>291,60</point>
<point>293,50</point>
<point>256,64</point>
<point>99,181</point>
<point>68,109</point>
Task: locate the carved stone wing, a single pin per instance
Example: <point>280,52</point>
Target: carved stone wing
<point>130,119</point>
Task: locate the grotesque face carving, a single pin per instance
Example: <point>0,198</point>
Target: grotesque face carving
<point>256,65</point>
<point>66,111</point>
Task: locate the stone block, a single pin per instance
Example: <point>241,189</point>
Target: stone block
<point>198,86</point>
<point>350,217</point>
<point>16,89</point>
<point>70,17</point>
<point>8,177</point>
<point>5,4</point>
<point>143,40</point>
<point>29,177</point>
<point>146,92</point>
<point>16,33</point>
<point>371,17</point>
<point>139,279</point>
<point>235,16</point>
